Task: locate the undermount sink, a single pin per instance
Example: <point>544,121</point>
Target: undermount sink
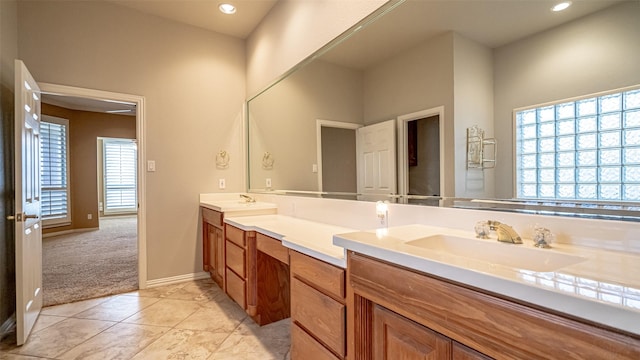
<point>491,251</point>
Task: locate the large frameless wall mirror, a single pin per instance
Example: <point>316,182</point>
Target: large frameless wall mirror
<point>422,74</point>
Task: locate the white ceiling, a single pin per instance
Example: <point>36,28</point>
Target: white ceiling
<point>199,13</point>
<point>205,13</point>
<point>86,104</point>
<point>490,22</point>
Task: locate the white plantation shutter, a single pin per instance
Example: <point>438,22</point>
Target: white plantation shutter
<point>54,170</point>
<point>120,194</point>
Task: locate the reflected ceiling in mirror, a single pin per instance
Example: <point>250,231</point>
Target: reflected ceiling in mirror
<point>478,60</point>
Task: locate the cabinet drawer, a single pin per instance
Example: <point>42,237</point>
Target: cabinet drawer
<point>272,247</point>
<point>236,288</point>
<point>235,259</point>
<point>461,352</point>
<point>323,276</point>
<point>235,235</point>
<point>303,346</point>
<point>211,216</point>
<point>319,314</point>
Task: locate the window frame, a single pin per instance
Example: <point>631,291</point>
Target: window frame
<point>516,155</point>
<point>133,210</point>
<point>58,220</point>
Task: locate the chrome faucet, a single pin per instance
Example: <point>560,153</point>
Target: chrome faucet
<point>505,232</point>
<point>247,198</point>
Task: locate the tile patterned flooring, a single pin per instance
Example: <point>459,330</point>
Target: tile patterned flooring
<point>192,320</point>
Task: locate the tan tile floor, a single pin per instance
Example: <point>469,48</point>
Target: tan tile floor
<point>192,320</point>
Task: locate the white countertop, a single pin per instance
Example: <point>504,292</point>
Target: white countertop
<point>308,237</point>
<point>603,286</point>
<point>239,207</point>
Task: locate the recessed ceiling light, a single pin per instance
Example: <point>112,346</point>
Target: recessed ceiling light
<point>561,6</point>
<point>227,8</point>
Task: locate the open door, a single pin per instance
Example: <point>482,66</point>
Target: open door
<point>28,229</point>
<point>376,145</point>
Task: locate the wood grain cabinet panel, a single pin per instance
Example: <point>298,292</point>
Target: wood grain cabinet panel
<point>396,337</point>
<point>211,216</point>
<point>319,314</point>
<point>273,248</point>
<point>236,288</point>
<point>461,352</point>
<point>494,326</point>
<point>328,278</point>
<point>219,264</point>
<point>213,244</point>
<point>235,235</point>
<point>236,259</point>
<point>305,347</point>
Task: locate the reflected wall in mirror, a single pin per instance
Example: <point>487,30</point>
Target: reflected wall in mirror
<point>478,60</point>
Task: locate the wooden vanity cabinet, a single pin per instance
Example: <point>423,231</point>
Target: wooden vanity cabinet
<point>395,310</point>
<point>257,274</point>
<point>318,310</point>
<point>396,337</point>
<point>240,267</point>
<point>273,294</point>
<point>213,244</point>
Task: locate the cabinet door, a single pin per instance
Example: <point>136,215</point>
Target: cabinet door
<point>211,247</point>
<point>219,253</point>
<point>304,346</point>
<point>396,337</point>
<point>461,352</point>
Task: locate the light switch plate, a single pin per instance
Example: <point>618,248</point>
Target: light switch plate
<point>151,165</point>
<point>221,184</point>
<point>268,183</point>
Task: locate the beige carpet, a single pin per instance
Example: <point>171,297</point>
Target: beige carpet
<point>91,264</point>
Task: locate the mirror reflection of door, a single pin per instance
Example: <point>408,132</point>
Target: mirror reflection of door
<point>423,158</point>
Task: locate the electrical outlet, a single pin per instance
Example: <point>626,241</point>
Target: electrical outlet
<point>221,184</point>
<point>89,216</point>
<point>268,183</point>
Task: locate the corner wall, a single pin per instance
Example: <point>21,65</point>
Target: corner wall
<point>193,82</point>
<point>473,105</point>
<point>293,30</point>
<point>596,53</point>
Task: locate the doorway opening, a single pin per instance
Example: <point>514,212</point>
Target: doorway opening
<point>115,182</point>
<point>337,164</point>
<point>421,157</point>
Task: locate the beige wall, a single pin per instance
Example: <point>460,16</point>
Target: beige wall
<point>193,82</point>
<point>293,30</point>
<point>473,105</point>
<point>418,79</point>
<point>283,122</point>
<point>596,53</point>
<point>84,129</point>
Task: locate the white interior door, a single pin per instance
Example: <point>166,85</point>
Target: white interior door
<point>376,146</point>
<point>27,194</point>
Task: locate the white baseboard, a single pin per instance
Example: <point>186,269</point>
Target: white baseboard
<point>66,232</point>
<point>7,326</point>
<point>177,279</point>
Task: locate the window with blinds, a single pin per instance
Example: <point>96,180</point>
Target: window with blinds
<point>120,176</point>
<point>54,203</point>
<point>585,149</point>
